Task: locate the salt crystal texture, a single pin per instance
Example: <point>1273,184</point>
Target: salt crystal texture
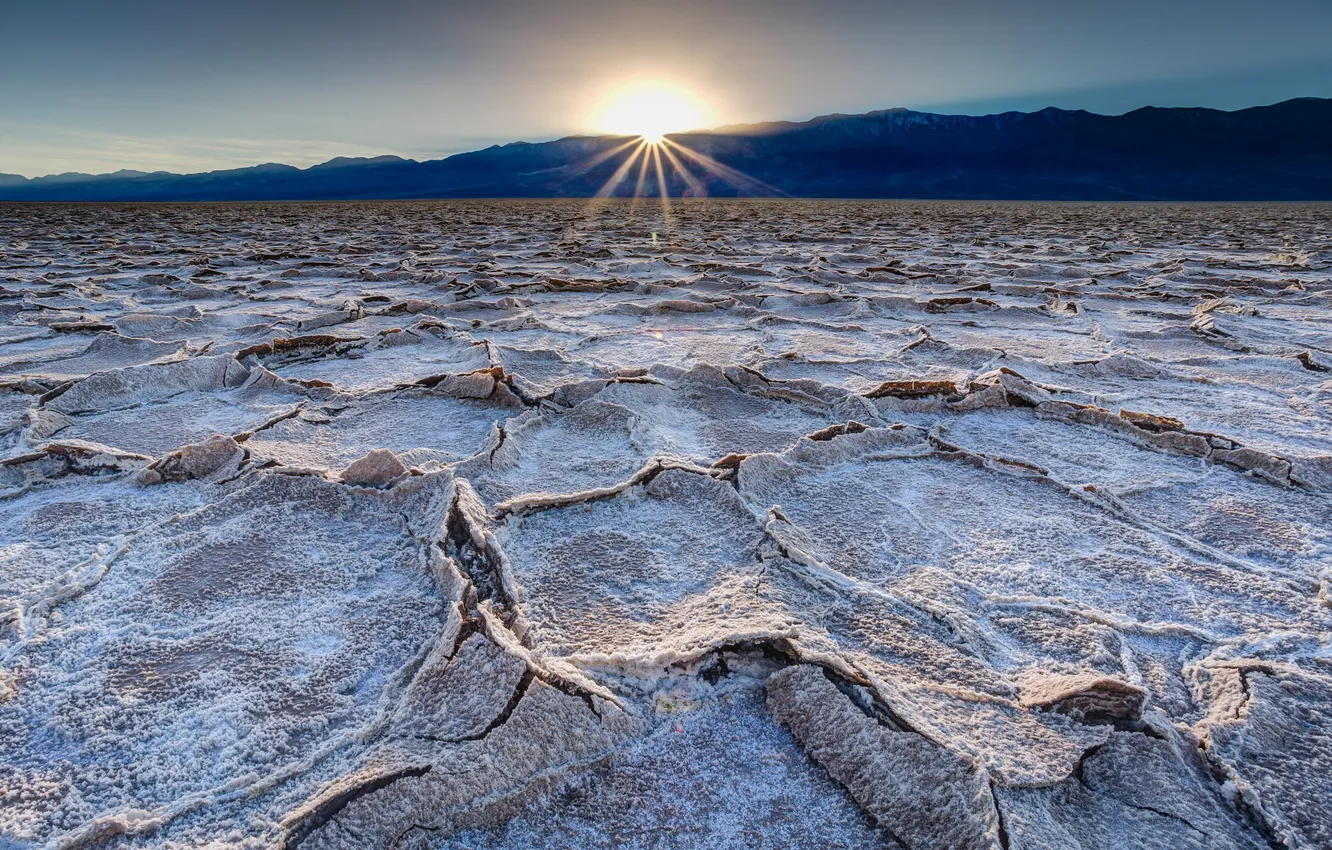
<point>796,524</point>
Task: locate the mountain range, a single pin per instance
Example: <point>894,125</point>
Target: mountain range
<point>1278,152</point>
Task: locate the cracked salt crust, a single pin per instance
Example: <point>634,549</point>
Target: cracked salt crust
<point>497,524</point>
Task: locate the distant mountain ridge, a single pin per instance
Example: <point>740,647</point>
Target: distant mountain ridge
<point>1277,152</point>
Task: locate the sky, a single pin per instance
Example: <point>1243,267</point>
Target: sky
<point>87,85</point>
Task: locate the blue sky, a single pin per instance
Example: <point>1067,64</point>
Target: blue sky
<point>147,84</point>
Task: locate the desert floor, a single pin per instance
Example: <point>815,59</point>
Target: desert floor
<point>783,524</point>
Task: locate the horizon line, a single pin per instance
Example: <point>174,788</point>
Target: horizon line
<point>716,130</point>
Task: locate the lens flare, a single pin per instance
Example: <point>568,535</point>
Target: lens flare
<point>650,110</point>
<point>647,112</point>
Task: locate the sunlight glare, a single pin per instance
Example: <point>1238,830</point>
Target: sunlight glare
<point>650,110</point>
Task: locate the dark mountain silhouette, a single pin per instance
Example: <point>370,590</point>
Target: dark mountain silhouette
<point>1278,152</point>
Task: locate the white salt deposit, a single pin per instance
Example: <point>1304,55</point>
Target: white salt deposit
<point>807,524</point>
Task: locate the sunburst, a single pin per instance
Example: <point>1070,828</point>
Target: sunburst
<point>654,114</point>
<point>650,110</point>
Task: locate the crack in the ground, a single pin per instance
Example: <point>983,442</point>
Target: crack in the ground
<point>1079,773</point>
<point>465,554</point>
<point>503,717</point>
<point>1001,825</point>
<point>329,808</point>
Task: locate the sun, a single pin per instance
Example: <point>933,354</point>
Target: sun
<point>650,110</point>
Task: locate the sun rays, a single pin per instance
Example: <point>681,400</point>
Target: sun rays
<point>654,159</point>
<point>663,166</point>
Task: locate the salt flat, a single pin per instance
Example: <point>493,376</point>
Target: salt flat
<point>761,524</point>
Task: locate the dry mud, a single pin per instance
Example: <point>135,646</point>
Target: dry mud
<point>791,524</point>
